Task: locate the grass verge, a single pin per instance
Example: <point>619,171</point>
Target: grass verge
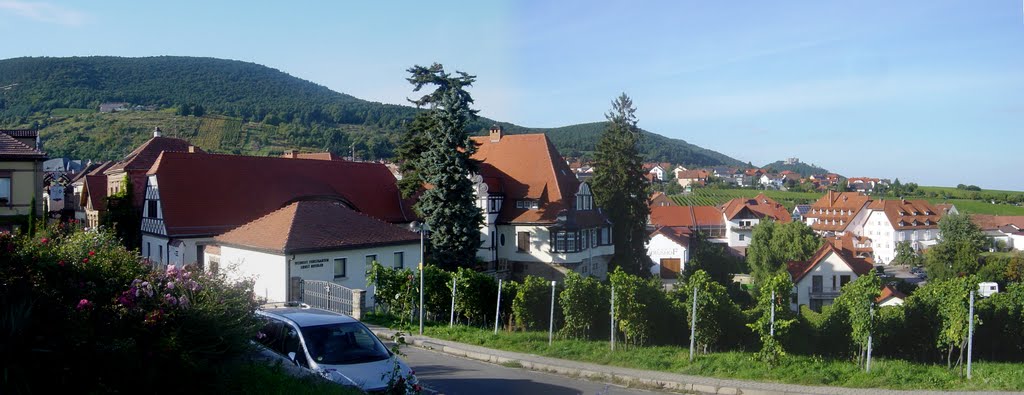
<point>795,369</point>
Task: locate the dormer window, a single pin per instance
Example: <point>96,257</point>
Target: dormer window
<point>528,203</point>
<point>584,199</point>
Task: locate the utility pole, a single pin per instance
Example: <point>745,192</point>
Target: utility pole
<point>551,322</point>
<point>497,310</point>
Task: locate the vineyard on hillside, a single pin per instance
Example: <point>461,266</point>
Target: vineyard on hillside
<point>715,197</point>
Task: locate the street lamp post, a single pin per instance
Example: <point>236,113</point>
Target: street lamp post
<point>421,228</point>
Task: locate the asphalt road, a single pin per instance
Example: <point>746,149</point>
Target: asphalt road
<point>448,374</point>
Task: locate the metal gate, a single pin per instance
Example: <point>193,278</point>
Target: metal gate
<point>327,295</point>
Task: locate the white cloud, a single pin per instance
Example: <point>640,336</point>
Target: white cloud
<point>45,12</point>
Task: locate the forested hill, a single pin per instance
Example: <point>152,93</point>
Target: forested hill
<point>233,106</point>
<point>801,168</point>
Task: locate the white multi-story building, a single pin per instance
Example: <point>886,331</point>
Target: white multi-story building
<point>539,219</point>
<point>818,281</point>
<point>889,222</point>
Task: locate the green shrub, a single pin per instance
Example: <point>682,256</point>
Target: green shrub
<point>585,305</point>
<point>532,305</point>
<point>80,304</point>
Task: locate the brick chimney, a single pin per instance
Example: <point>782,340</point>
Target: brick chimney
<point>191,149</point>
<point>495,133</point>
<point>156,132</point>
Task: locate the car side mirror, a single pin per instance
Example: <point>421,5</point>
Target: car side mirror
<point>291,357</point>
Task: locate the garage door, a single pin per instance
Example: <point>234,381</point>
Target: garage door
<point>670,267</point>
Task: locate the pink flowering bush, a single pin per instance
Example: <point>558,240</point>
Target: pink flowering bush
<point>79,304</point>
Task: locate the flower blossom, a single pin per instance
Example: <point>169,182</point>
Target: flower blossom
<point>84,304</point>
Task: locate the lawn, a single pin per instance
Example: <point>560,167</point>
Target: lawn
<point>804,370</point>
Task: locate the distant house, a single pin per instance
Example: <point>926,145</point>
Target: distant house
<point>889,222</point>
<point>90,190</point>
<point>21,177</point>
<point>657,170</point>
<point>688,178</point>
<point>660,199</point>
<point>800,212</point>
<point>947,208</point>
<point>295,154</point>
<point>138,162</point>
<point>890,297</point>
<point>707,220</point>
<point>862,184</point>
<point>1001,228</point>
<point>311,240</point>
<point>538,218</point>
<point>113,107</point>
<point>772,181</point>
<point>669,249</point>
<point>834,212</point>
<point>741,215</point>
<point>818,281</point>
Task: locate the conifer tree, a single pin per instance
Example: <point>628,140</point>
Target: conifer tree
<point>619,187</point>
<point>449,207</point>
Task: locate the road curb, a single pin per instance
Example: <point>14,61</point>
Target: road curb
<point>638,378</point>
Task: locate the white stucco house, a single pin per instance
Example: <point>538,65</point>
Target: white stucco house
<point>539,219</point>
<point>817,282</point>
<point>311,240</point>
<point>890,297</point>
<point>191,197</point>
<point>669,249</point>
<point>888,222</point>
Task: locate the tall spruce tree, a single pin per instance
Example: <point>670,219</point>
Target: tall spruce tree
<point>620,188</point>
<point>410,153</point>
<point>449,207</point>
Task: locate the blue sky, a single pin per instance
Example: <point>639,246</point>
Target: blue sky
<point>927,91</point>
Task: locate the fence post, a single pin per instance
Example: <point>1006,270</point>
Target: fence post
<point>358,303</point>
<point>693,322</point>
<point>970,334</point>
<point>327,290</point>
<point>551,322</point>
<point>613,318</point>
<point>771,331</point>
<point>871,311</point>
<point>451,321</point>
<point>497,310</point>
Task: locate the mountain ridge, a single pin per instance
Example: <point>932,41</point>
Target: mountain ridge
<point>259,109</point>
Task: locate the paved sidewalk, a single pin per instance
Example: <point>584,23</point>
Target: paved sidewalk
<point>646,378</point>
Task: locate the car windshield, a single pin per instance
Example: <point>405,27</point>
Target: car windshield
<point>340,344</point>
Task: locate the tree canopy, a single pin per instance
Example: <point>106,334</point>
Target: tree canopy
<point>773,244</point>
<point>620,188</point>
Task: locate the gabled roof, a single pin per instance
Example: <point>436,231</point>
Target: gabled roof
<point>311,155</point>
<point>307,226</point>
<point>688,216</point>
<point>692,174</point>
<point>678,234</point>
<point>994,222</point>
<point>94,193</point>
<point>835,211</point>
<point>889,292</point>
<point>799,269</point>
<point>760,206</point>
<point>660,199</point>
<point>208,194</point>
<point>944,208</point>
<point>12,149</point>
<point>143,156</point>
<point>909,214</point>
<point>527,167</point>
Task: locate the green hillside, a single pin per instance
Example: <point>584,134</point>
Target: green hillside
<point>244,107</point>
<point>801,168</point>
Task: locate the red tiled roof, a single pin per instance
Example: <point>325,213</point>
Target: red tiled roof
<point>839,208</point>
<point>311,155</point>
<point>799,269</point>
<point>527,167</point>
<point>94,192</point>
<point>889,292</point>
<point>993,222</point>
<point>11,148</point>
<point>306,226</point>
<point>207,194</point>
<point>142,157</point>
<point>678,234</point>
<point>660,199</point>
<point>21,133</point>
<point>901,213</point>
<point>944,207</point>
<point>692,175</point>
<point>688,216</point>
<point>760,206</point>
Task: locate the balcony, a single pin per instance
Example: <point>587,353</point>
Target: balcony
<point>824,293</point>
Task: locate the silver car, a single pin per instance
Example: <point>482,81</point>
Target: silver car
<point>332,345</point>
